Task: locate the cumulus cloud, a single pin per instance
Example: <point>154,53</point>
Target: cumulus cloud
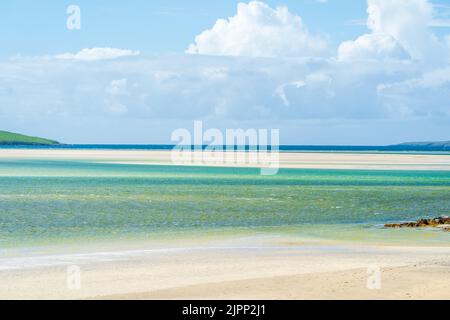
<point>258,30</point>
<point>94,54</point>
<point>372,46</point>
<point>398,29</point>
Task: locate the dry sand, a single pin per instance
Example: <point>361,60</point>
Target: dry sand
<point>301,271</point>
<point>318,160</point>
<point>397,283</point>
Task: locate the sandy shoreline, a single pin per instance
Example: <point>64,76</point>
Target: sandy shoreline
<point>406,282</point>
<point>295,271</point>
<point>313,160</point>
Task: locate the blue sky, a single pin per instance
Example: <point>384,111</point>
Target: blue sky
<point>317,70</point>
<point>153,27</point>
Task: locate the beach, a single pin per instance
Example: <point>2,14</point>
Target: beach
<point>129,224</point>
<point>297,271</point>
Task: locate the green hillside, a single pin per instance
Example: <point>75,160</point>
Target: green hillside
<point>9,138</point>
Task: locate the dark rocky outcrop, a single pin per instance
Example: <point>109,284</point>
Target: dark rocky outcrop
<point>441,222</point>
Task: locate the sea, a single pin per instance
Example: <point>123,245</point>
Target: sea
<point>48,202</point>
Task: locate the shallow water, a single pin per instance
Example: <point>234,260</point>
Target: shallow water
<point>44,202</point>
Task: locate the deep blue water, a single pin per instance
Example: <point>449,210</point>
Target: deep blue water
<point>323,148</point>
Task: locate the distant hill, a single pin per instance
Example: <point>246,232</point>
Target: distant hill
<point>13,139</point>
<point>432,144</point>
<point>426,145</point>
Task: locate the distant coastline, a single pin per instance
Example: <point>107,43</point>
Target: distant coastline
<point>430,144</point>
<point>15,139</point>
<point>285,148</point>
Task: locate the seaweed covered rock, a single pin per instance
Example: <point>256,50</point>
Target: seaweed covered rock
<point>443,222</point>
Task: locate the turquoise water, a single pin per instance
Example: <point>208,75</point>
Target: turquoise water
<point>58,201</point>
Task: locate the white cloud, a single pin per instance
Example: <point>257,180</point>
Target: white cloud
<point>396,25</point>
<point>94,54</point>
<point>118,87</point>
<point>216,73</point>
<point>257,30</point>
<point>372,46</point>
<point>280,91</point>
<point>115,105</point>
<point>424,96</point>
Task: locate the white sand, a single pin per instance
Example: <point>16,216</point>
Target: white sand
<point>276,271</point>
<point>324,160</point>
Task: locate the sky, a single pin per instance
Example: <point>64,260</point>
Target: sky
<point>334,72</point>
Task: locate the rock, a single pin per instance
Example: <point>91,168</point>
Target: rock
<point>435,222</point>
